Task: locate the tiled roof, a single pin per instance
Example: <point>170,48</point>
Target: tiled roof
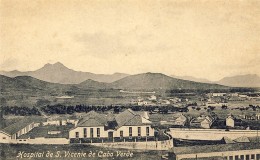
<point>242,139</point>
<point>128,118</point>
<point>14,128</point>
<point>92,119</point>
<point>92,122</point>
<point>181,118</point>
<point>200,119</point>
<point>2,123</point>
<point>227,140</point>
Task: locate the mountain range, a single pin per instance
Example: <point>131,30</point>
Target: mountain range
<point>247,80</point>
<point>150,81</point>
<point>58,73</point>
<point>190,78</point>
<point>144,81</point>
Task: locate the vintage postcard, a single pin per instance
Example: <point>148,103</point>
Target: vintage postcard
<point>129,79</point>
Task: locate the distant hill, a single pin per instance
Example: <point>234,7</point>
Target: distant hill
<point>194,79</point>
<point>58,73</point>
<point>30,84</point>
<point>145,81</point>
<point>25,83</point>
<point>150,81</point>
<point>249,80</point>
<point>93,84</point>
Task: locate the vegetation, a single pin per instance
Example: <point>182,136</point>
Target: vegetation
<point>21,111</point>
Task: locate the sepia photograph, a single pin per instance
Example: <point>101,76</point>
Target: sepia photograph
<point>129,79</point>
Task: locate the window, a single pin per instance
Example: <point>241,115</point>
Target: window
<point>247,157</point>
<point>147,131</point>
<point>252,156</point>
<point>121,134</point>
<point>230,158</point>
<point>242,157</point>
<point>98,132</point>
<point>91,132</point>
<point>257,156</point>
<point>236,157</point>
<point>139,131</point>
<point>76,134</point>
<point>130,131</point>
<point>85,132</point>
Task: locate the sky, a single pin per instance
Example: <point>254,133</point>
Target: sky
<point>205,39</point>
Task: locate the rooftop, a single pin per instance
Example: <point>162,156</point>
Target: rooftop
<point>216,148</point>
<point>15,127</point>
<point>92,119</point>
<point>128,118</point>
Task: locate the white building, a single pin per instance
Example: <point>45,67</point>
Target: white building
<point>19,128</point>
<point>181,120</point>
<point>127,124</point>
<point>230,121</point>
<point>202,121</point>
<point>152,97</point>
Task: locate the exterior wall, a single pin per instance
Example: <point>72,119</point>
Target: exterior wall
<point>24,130</point>
<point>205,124</point>
<point>17,134</point>
<point>55,123</point>
<point>218,94</point>
<point>149,145</point>
<point>180,122</point>
<point>41,140</point>
<point>104,134</point>
<point>72,121</point>
<point>125,130</point>
<point>210,134</point>
<point>4,138</point>
<point>230,122</point>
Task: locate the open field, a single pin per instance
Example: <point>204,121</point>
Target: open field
<point>42,131</point>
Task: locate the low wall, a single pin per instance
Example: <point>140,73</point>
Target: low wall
<point>149,145</point>
<point>210,134</point>
<point>219,154</point>
<point>41,140</point>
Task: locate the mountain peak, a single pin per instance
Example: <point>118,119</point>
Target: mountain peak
<point>55,65</point>
<point>58,64</point>
<point>47,65</point>
<point>53,69</point>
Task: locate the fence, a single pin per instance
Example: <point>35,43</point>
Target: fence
<point>41,140</point>
<point>149,145</point>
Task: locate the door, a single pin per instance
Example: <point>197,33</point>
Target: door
<point>110,135</point>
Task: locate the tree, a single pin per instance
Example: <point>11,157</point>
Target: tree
<point>198,108</point>
<point>224,107</point>
<point>211,108</point>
